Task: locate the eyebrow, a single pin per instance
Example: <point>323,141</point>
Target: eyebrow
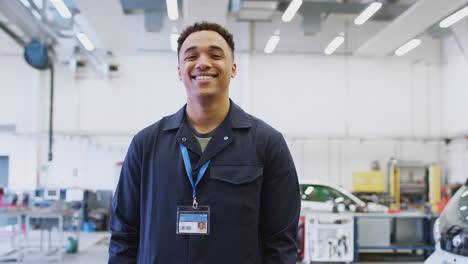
<point>211,47</point>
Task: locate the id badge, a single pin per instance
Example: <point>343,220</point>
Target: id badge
<point>192,221</point>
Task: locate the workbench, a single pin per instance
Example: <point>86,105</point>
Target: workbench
<point>18,225</point>
<point>398,231</point>
<point>47,221</point>
<point>11,221</point>
<point>371,232</point>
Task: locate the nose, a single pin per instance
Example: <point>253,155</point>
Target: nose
<point>203,63</point>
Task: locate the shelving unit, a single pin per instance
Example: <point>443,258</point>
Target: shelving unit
<point>403,231</point>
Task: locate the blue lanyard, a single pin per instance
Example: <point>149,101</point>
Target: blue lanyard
<point>188,168</point>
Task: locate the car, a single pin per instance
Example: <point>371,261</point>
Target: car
<point>451,231</point>
<point>319,196</point>
<point>322,197</point>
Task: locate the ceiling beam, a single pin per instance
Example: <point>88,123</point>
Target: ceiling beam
<point>413,22</point>
<point>312,12</point>
<point>19,15</point>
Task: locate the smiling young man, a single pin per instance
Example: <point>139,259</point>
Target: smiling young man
<point>210,164</point>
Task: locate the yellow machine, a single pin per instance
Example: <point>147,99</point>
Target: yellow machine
<point>369,181</point>
<point>428,188</point>
<point>395,187</point>
<point>434,186</point>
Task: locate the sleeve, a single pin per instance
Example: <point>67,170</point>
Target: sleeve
<point>281,204</point>
<point>125,220</point>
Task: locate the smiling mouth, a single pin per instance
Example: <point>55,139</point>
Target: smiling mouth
<point>204,77</point>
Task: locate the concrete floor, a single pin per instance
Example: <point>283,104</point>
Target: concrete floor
<point>98,254</point>
<point>92,249</point>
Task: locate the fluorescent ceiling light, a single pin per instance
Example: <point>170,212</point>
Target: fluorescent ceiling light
<point>407,47</point>
<point>62,9</point>
<point>172,9</point>
<point>25,3</point>
<point>454,18</point>
<point>367,13</point>
<point>174,38</point>
<point>85,41</point>
<point>271,44</point>
<point>36,14</point>
<point>33,11</point>
<point>38,3</point>
<point>336,42</point>
<point>291,10</point>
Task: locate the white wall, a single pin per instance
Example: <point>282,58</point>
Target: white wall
<point>346,95</point>
<point>307,97</point>
<point>455,79</point>
<point>455,72</point>
<point>145,89</point>
<point>79,162</point>
<point>301,95</point>
<point>22,154</point>
<point>320,97</point>
<point>19,90</point>
<point>316,95</point>
<point>335,160</point>
<point>457,161</point>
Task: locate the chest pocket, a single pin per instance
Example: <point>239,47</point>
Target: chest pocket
<point>236,193</point>
<point>236,174</point>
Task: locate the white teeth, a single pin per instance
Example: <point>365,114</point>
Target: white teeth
<point>204,77</point>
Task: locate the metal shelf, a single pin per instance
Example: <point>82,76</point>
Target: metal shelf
<point>425,244</point>
<point>396,246</point>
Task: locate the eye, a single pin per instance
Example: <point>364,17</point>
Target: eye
<point>216,56</point>
<point>191,57</point>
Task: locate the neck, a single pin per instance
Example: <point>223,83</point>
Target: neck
<point>207,115</point>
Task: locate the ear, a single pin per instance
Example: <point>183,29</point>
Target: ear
<point>234,70</point>
<point>180,73</point>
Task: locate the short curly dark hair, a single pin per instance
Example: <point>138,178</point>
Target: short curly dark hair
<point>202,26</point>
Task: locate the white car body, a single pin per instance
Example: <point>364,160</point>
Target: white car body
<point>451,229</point>
<point>443,257</point>
<point>328,205</point>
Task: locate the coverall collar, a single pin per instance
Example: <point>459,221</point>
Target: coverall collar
<point>223,136</point>
<point>237,117</point>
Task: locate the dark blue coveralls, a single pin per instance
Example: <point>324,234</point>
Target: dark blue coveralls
<point>251,187</point>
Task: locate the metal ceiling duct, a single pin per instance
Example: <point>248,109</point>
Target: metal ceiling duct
<point>154,11</point>
<point>19,15</point>
<point>209,10</point>
<point>312,11</point>
<point>255,10</point>
<point>413,22</point>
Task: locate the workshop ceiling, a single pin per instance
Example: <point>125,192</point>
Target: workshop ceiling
<point>126,27</point>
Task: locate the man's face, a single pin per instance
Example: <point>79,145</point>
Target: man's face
<point>206,65</point>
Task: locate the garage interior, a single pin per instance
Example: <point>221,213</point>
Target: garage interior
<point>374,112</point>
